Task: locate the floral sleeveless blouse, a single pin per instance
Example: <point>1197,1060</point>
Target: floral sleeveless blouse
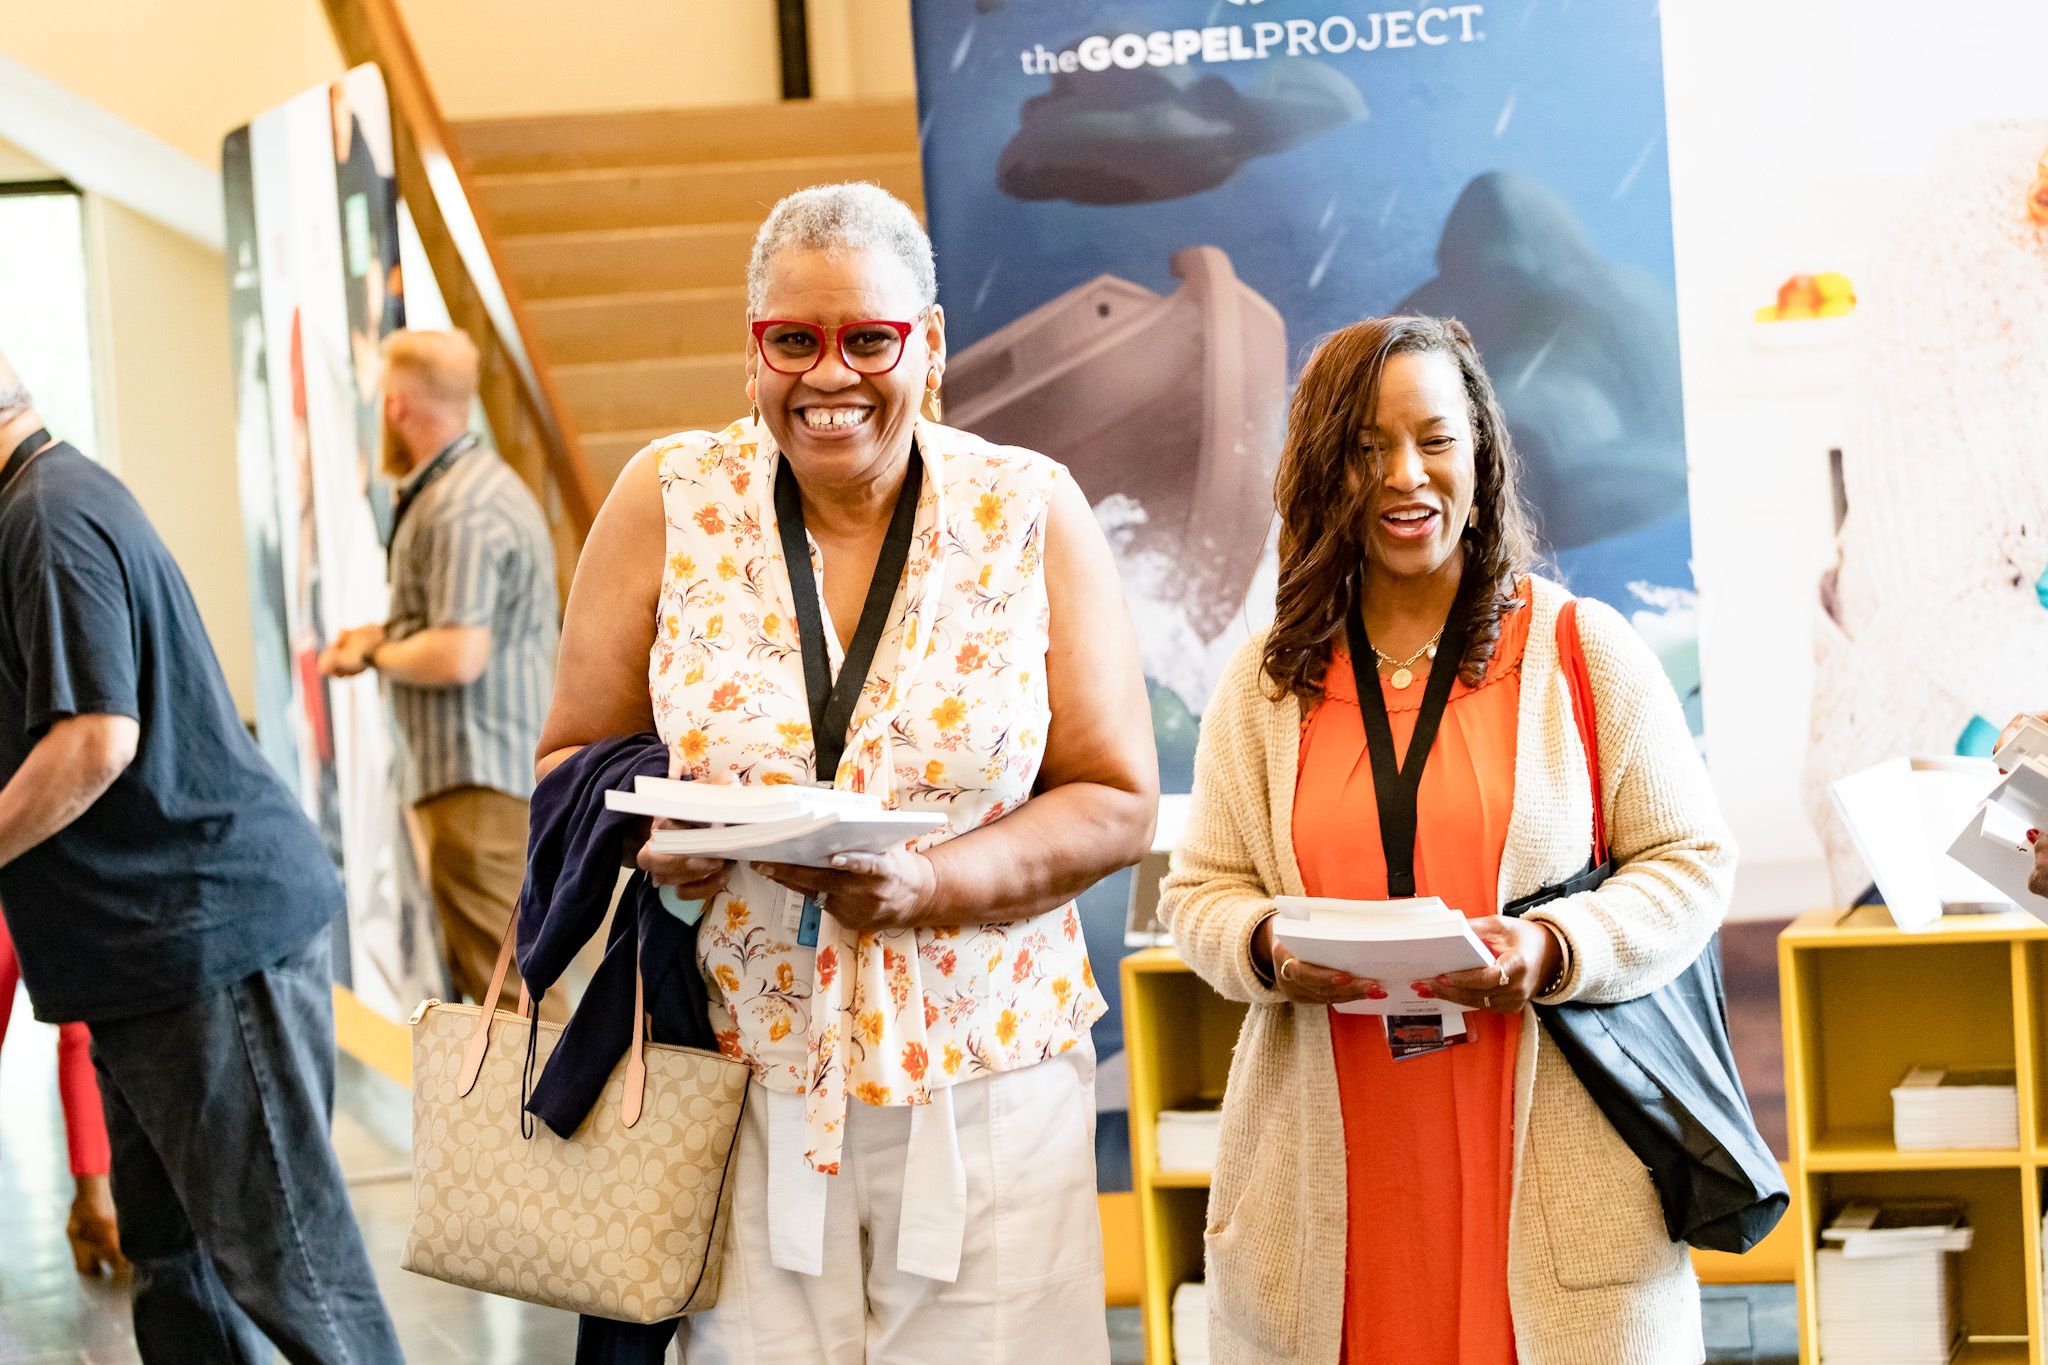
<point>953,719</point>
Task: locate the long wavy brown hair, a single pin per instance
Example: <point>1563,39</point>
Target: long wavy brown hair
<point>1324,492</point>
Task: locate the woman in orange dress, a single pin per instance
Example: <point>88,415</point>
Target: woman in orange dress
<point>1396,1191</point>
<point>1427,1139</point>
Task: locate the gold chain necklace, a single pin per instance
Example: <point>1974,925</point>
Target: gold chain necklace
<point>1403,673</point>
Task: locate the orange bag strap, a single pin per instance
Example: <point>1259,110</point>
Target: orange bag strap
<point>1571,654</point>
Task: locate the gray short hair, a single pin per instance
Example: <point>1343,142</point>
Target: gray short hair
<point>848,217</point>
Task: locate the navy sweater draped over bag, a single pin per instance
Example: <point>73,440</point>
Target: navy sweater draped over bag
<point>573,861</point>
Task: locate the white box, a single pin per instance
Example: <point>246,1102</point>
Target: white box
<point>1191,1324</point>
<point>1189,1139</point>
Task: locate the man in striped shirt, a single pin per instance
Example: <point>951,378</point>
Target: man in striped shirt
<point>468,654</point>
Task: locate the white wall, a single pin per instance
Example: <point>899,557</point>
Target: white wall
<point>167,411</point>
<point>157,307</point>
<point>1793,129</point>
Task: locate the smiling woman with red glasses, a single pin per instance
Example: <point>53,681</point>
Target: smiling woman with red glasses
<point>840,589</point>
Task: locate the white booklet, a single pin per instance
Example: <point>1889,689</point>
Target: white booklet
<point>1898,1227</point>
<point>802,826</point>
<point>1994,844</point>
<point>2029,739</point>
<point>1396,943</point>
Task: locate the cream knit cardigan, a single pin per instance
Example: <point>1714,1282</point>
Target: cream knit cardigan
<point>1592,1277</point>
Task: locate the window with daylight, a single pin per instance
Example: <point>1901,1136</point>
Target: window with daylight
<point>45,327</point>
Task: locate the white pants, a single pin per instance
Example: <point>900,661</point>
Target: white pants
<point>1030,1285</point>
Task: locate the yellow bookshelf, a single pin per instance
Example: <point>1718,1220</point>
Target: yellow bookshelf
<point>1178,1037</point>
<point>1863,1002</point>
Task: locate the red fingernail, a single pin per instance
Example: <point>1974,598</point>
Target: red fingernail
<point>2033,836</point>
<point>1425,992</point>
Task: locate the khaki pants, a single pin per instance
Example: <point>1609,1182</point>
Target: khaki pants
<point>1029,1285</point>
<point>472,843</point>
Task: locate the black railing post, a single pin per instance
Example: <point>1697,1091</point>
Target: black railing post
<point>795,31</point>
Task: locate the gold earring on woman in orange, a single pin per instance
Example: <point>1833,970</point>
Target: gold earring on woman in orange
<point>933,405</point>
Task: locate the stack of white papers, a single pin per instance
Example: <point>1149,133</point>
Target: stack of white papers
<point>1933,1109</point>
<point>1396,943</point>
<point>802,826</point>
<point>1885,1288</point>
<point>1994,844</point>
<point>1191,1324</point>
<point>1189,1139</point>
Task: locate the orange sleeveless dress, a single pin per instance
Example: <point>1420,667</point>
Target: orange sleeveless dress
<point>1428,1141</point>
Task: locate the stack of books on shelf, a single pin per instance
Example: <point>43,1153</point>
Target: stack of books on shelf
<point>1189,1138</point>
<point>1935,1109</point>
<point>1887,1291</point>
<point>1191,1324</point>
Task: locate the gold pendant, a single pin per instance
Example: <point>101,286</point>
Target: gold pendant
<point>1401,678</point>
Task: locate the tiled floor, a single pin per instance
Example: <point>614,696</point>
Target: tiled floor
<point>49,1314</point>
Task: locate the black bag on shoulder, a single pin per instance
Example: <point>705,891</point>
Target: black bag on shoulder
<point>1661,1067</point>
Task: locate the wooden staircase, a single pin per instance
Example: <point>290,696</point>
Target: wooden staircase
<point>626,236</point>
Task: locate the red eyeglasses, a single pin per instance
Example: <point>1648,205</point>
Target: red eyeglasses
<point>871,346</point>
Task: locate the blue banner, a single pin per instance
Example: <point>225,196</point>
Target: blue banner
<point>1147,211</point>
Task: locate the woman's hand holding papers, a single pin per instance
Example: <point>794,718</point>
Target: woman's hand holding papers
<point>694,879</point>
<point>1526,957</point>
<point>1302,981</point>
<point>869,891</point>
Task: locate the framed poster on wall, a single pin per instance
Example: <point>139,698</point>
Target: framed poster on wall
<point>314,263</point>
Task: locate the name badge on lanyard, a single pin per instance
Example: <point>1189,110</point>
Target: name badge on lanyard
<point>1395,786</point>
<point>832,701</point>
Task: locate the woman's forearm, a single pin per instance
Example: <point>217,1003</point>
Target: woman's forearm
<point>1041,855</point>
<point>554,758</point>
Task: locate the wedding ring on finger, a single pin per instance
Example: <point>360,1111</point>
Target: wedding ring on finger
<point>1287,970</point>
<point>1502,969</point>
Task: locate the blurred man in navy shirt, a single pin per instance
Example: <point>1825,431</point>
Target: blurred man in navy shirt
<point>164,887</point>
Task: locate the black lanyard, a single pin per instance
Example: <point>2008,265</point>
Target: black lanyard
<point>436,467</point>
<point>831,701</point>
<point>20,461</point>
<point>1395,788</point>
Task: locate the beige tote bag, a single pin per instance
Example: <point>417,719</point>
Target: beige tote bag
<point>626,1219</point>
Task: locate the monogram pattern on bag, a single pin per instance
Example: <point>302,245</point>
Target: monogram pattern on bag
<point>619,1222</point>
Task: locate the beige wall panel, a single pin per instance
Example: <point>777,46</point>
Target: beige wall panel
<point>191,71</point>
<point>185,72</point>
<point>167,411</point>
